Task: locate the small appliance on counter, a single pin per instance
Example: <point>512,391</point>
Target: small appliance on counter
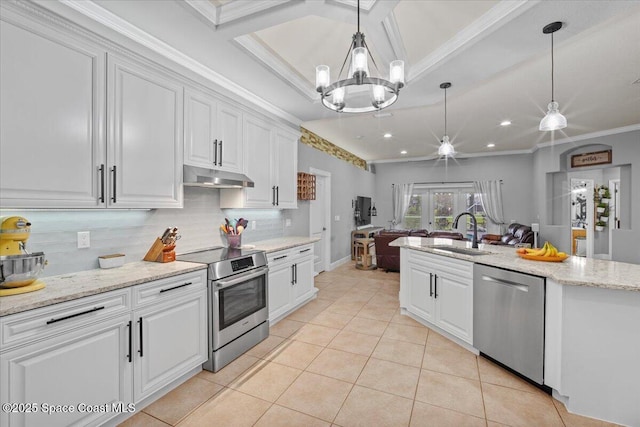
<point>19,270</point>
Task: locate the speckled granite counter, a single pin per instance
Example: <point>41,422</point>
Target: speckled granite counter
<point>66,287</point>
<point>282,243</point>
<point>573,271</point>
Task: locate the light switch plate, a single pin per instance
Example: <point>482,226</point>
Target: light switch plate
<point>287,222</point>
<point>84,239</point>
<point>337,218</point>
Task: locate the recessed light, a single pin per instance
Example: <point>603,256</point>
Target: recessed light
<point>491,145</point>
<point>387,135</point>
<point>381,115</point>
<point>358,136</point>
<point>505,123</point>
<point>403,152</point>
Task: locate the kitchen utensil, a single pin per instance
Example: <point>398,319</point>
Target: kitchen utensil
<point>240,229</point>
<point>165,235</point>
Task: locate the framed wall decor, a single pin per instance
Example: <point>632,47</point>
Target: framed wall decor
<point>591,159</point>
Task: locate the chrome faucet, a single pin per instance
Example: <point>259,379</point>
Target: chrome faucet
<point>474,244</point>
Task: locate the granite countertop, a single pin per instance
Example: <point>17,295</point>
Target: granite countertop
<point>574,270</point>
<point>66,287</point>
<point>281,243</point>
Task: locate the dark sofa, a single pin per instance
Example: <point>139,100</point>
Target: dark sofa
<point>516,233</point>
<point>388,257</point>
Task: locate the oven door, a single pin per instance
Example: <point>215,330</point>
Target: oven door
<point>239,305</point>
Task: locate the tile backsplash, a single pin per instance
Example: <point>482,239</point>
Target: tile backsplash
<point>132,232</point>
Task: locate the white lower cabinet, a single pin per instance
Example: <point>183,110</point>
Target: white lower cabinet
<point>439,290</point>
<point>104,351</point>
<point>86,366</point>
<point>172,339</point>
<point>290,280</point>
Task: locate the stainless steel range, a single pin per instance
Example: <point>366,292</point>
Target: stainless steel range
<point>237,293</point>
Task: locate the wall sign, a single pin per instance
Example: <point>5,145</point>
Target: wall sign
<point>591,159</point>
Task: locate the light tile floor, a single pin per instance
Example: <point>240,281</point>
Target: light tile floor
<point>349,358</point>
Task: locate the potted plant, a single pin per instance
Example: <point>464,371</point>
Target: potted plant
<point>601,208</point>
<point>604,218</point>
<point>606,197</point>
<point>600,225</point>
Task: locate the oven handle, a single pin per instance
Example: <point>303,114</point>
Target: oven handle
<point>241,278</point>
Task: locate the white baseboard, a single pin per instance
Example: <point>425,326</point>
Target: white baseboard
<point>339,262</point>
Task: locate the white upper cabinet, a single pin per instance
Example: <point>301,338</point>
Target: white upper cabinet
<point>213,133</point>
<point>51,115</point>
<point>285,172</point>
<point>144,137</point>
<point>271,161</point>
<point>60,147</point>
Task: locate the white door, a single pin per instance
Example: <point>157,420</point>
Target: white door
<point>319,221</point>
<point>421,301</point>
<point>454,305</point>
<point>280,292</point>
<point>144,137</point>
<point>303,286</point>
<point>200,141</point>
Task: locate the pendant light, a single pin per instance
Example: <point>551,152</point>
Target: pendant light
<point>346,95</point>
<point>446,148</point>
<point>553,120</point>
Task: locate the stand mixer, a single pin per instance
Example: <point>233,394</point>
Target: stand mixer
<point>19,269</point>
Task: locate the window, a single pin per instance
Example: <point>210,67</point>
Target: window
<point>435,207</point>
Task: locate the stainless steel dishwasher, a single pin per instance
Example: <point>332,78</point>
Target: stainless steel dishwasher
<point>508,319</point>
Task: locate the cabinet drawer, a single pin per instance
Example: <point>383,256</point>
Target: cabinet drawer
<point>442,263</point>
<point>303,251</point>
<point>281,257</point>
<point>169,288</point>
<point>45,322</point>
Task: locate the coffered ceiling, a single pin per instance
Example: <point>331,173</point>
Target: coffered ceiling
<point>493,52</point>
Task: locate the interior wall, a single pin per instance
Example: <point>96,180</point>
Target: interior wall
<point>132,232</point>
<point>516,172</point>
<point>550,160</point>
<point>347,182</point>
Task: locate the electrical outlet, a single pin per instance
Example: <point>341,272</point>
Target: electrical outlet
<point>253,225</point>
<point>84,239</point>
<point>287,222</point>
<point>337,218</point>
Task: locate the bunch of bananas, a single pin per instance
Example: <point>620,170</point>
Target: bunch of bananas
<point>548,250</point>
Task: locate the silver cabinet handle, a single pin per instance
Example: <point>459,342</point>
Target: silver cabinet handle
<point>519,286</point>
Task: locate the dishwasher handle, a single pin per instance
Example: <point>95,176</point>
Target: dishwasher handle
<point>519,286</point>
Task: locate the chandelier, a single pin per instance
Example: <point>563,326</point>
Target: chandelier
<point>446,148</point>
<point>554,120</point>
<point>359,93</point>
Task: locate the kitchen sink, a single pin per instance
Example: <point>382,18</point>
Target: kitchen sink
<point>453,249</point>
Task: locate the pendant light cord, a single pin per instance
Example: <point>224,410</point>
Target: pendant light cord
<point>445,111</point>
<point>358,15</point>
<point>552,86</point>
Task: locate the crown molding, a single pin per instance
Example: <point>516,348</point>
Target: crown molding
<point>503,11</point>
<point>364,5</point>
<point>597,134</point>
<point>114,22</point>
<point>235,10</point>
<point>206,9</point>
<point>278,66</point>
<point>395,38</point>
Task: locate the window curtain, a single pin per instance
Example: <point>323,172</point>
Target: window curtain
<point>401,196</point>
<point>491,198</point>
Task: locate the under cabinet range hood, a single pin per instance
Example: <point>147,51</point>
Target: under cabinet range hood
<point>209,178</point>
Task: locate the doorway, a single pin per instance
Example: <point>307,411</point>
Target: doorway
<point>320,220</point>
<point>582,217</point>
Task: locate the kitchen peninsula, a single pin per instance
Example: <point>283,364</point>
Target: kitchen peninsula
<point>592,315</point>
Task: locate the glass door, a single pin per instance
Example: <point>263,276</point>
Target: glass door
<point>242,300</point>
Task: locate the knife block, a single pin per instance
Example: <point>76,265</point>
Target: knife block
<point>157,252</point>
